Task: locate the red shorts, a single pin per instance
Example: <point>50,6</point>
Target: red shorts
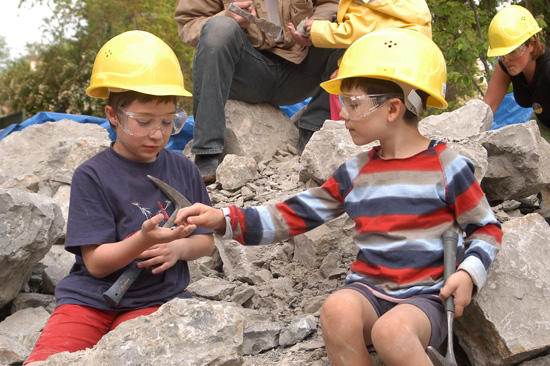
<point>76,327</point>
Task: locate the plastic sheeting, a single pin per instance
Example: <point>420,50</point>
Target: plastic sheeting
<point>509,113</point>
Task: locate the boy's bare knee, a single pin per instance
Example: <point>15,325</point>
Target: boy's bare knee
<point>341,312</point>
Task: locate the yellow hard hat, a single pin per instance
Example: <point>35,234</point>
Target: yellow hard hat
<point>404,56</point>
<point>138,61</point>
<point>509,29</point>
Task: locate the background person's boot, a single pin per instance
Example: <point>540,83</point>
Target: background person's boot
<point>303,138</point>
<point>207,164</point>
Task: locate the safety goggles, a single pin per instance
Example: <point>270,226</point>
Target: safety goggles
<point>144,124</point>
<point>515,54</point>
<point>360,106</point>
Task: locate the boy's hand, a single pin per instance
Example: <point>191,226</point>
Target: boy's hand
<point>155,234</point>
<point>202,215</point>
<point>161,256</point>
<point>300,39</point>
<point>245,5</point>
<point>460,285</point>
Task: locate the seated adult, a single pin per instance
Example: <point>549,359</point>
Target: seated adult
<point>236,59</point>
<point>523,61</point>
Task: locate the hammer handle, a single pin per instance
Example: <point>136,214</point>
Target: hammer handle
<point>450,241</point>
<point>117,290</point>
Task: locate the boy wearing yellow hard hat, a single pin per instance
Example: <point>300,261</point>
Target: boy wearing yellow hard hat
<point>403,195</point>
<point>523,60</point>
<point>115,211</point>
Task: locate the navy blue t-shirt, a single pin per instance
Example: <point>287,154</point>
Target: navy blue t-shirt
<point>536,93</point>
<point>111,196</point>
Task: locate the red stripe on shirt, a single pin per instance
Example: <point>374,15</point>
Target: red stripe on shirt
<point>422,162</point>
<point>491,230</point>
<point>238,221</point>
<point>296,225</point>
<point>468,199</point>
<point>399,276</point>
<point>332,187</point>
<point>389,223</point>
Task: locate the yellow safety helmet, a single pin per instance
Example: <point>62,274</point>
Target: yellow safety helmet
<point>509,29</point>
<point>404,56</point>
<point>138,61</point>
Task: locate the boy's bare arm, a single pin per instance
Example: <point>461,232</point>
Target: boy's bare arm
<point>165,255</point>
<point>202,215</point>
<point>102,260</point>
<point>461,286</point>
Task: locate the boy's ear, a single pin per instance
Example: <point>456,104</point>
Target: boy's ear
<point>111,115</point>
<point>396,109</point>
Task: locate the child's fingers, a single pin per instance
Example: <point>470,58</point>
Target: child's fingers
<point>150,224</point>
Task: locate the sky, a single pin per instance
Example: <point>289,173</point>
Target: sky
<point>21,25</point>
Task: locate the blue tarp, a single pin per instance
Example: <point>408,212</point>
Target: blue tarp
<point>176,142</point>
<point>509,112</point>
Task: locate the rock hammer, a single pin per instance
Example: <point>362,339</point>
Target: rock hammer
<point>450,242</point>
<point>117,290</point>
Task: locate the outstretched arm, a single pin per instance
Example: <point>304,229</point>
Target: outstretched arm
<point>498,86</point>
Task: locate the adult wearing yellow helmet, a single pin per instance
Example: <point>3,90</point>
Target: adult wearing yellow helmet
<point>523,61</point>
<point>115,209</point>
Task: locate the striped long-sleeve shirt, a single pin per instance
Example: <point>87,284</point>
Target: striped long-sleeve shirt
<point>401,207</point>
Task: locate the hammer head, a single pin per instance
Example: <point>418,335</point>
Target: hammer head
<point>437,359</point>
<point>175,196</point>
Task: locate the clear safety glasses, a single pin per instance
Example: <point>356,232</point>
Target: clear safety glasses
<point>515,54</point>
<point>144,124</point>
<point>360,106</point>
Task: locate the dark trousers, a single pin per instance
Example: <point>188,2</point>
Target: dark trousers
<point>226,66</point>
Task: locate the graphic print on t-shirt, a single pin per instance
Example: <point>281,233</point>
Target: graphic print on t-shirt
<point>147,212</point>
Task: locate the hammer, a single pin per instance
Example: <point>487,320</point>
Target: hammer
<point>450,240</point>
<point>117,290</point>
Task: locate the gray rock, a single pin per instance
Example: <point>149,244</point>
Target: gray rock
<point>183,332</point>
<point>507,322</point>
<point>29,224</point>
<point>235,171</point>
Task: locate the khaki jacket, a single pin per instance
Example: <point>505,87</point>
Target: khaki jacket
<point>192,14</point>
<point>359,17</point>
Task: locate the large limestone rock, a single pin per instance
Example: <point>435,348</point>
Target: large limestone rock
<point>257,130</point>
<point>519,161</point>
<point>327,149</point>
<point>19,333</point>
<point>29,224</point>
<point>42,157</point>
<point>181,333</point>
<point>469,120</point>
<point>508,321</point>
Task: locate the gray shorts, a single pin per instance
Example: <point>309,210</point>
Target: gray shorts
<point>431,305</point>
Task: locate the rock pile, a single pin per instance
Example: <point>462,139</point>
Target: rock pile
<point>260,305</point>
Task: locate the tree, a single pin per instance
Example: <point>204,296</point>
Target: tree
<point>78,29</point>
<point>4,53</point>
<point>460,30</point>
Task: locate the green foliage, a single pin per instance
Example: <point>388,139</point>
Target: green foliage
<point>78,29</point>
<point>460,31</point>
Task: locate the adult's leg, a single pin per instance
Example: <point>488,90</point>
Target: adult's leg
<point>71,328</point>
<point>401,336</point>
<point>223,53</point>
<point>347,318</point>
